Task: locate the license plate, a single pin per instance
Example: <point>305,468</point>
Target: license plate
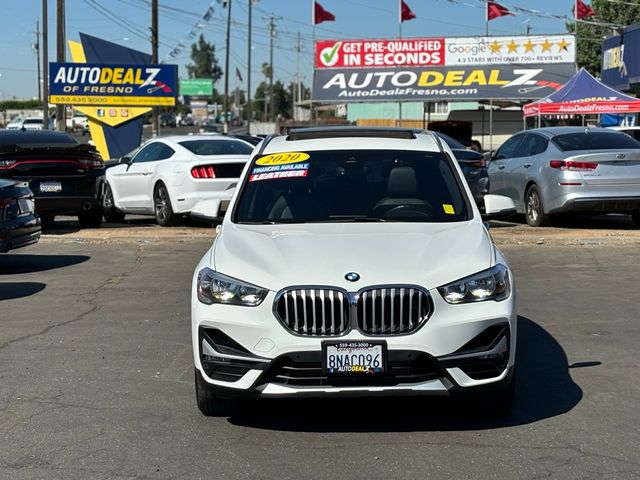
<point>353,358</point>
<point>50,187</point>
<point>26,205</point>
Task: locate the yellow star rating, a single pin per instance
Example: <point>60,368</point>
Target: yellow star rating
<point>546,46</point>
<point>562,45</point>
<point>513,47</point>
<point>529,46</point>
<point>495,47</point>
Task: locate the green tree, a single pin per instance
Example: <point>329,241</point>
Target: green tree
<point>590,36</point>
<point>205,63</point>
<point>281,100</point>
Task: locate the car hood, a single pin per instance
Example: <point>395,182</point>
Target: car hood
<point>426,254</point>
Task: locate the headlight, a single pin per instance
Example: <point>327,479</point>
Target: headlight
<point>213,287</point>
<point>492,284</point>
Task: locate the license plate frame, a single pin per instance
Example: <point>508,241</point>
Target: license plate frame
<point>51,186</point>
<point>359,348</point>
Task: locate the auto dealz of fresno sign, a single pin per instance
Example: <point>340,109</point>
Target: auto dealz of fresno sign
<point>442,68</point>
<point>126,85</point>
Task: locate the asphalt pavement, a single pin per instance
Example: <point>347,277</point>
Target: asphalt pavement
<point>96,380</point>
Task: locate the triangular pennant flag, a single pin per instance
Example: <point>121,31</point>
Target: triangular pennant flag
<point>495,10</point>
<point>321,15</point>
<point>583,10</point>
<point>405,12</point>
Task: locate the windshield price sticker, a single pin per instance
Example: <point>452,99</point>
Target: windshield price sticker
<point>354,358</point>
<point>448,209</point>
<point>281,168</point>
<point>277,175</point>
<point>283,158</point>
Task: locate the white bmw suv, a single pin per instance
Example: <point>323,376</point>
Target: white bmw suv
<point>353,262</point>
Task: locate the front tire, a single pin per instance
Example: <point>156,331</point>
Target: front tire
<point>109,210</point>
<point>162,206</point>
<point>533,208</point>
<point>210,404</point>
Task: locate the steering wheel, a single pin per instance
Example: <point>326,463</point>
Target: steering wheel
<point>407,211</point>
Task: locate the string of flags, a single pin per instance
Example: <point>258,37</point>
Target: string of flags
<point>193,33</point>
<point>493,10</point>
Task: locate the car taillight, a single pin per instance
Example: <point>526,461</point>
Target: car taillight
<point>479,163</point>
<point>91,163</point>
<point>203,172</point>
<point>573,166</point>
<point>6,164</point>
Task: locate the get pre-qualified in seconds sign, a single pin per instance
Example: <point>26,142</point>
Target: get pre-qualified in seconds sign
<point>379,53</point>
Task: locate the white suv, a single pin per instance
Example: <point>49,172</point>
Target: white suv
<point>353,262</point>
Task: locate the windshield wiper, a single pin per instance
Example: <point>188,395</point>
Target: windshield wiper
<point>349,218</point>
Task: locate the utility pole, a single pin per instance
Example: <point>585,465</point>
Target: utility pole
<point>45,65</point>
<point>299,93</point>
<point>272,34</point>
<point>226,71</point>
<point>155,127</point>
<point>61,123</point>
<point>250,4</point>
<point>36,47</point>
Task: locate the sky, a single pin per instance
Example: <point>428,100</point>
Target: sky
<point>126,22</point>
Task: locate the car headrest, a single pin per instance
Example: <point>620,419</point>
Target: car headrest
<point>402,183</point>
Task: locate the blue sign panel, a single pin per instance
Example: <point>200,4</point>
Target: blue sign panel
<point>621,59</point>
<point>113,84</point>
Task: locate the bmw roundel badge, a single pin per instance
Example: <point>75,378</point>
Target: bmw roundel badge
<point>352,276</point>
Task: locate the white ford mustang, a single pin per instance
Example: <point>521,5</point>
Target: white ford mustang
<point>354,262</point>
<point>171,177</point>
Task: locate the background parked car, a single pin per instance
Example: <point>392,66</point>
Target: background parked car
<point>64,175</point>
<point>631,131</point>
<point>473,165</point>
<point>19,225</point>
<point>168,120</point>
<point>252,139</point>
<point>169,176</point>
<point>548,171</point>
<point>26,123</point>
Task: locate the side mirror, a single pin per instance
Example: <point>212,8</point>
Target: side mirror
<point>125,160</point>
<point>497,207</point>
<point>207,211</point>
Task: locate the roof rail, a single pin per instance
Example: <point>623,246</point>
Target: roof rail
<point>343,132</point>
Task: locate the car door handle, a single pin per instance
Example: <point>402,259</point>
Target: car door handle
<point>527,165</point>
<point>147,173</point>
<point>501,167</point>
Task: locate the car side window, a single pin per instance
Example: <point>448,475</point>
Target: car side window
<point>165,152</point>
<point>147,153</point>
<point>509,148</point>
<point>532,145</point>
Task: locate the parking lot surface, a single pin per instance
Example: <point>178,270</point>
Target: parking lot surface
<point>97,380</point>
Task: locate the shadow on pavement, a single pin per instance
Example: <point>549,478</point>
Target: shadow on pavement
<point>544,389</point>
<point>11,264</point>
<point>577,222</point>
<point>9,291</point>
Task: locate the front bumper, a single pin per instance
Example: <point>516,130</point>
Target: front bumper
<point>246,351</point>
<point>20,232</point>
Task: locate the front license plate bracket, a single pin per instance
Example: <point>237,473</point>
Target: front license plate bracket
<point>354,358</point>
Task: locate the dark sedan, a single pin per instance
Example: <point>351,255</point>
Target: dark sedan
<point>64,175</point>
<point>473,165</point>
<point>19,225</point>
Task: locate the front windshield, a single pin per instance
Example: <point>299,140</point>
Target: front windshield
<point>351,186</point>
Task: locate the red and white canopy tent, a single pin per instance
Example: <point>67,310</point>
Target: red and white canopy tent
<point>583,95</point>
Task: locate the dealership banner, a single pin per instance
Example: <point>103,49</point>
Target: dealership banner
<point>113,84</point>
<point>440,51</point>
<point>437,83</point>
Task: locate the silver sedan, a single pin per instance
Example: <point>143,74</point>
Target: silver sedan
<point>549,171</point>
